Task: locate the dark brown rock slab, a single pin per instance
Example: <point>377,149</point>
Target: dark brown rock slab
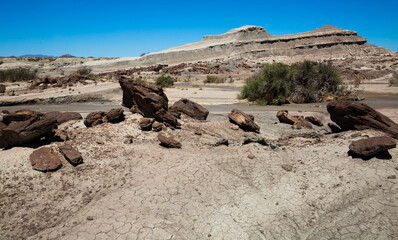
<point>157,126</point>
<point>285,117</point>
<point>2,88</point>
<point>45,159</point>
<point>190,108</point>
<point>168,142</point>
<point>370,147</point>
<point>63,117</point>
<point>71,154</point>
<point>334,127</point>
<point>146,123</point>
<point>351,115</point>
<point>243,120</point>
<point>301,123</point>
<point>148,100</point>
<point>115,115</point>
<point>99,117</point>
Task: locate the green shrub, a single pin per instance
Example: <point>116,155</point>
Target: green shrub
<point>18,74</point>
<point>164,81</point>
<point>393,82</point>
<point>213,79</point>
<point>83,71</point>
<point>304,82</point>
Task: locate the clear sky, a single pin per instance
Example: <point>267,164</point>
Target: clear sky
<point>119,28</point>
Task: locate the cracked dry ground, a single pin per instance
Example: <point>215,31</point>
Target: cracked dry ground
<point>144,191</point>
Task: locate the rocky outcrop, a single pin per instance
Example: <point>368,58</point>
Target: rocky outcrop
<point>243,120</point>
<point>370,147</point>
<point>45,159</point>
<point>148,100</point>
<point>297,122</point>
<point>190,109</point>
<point>22,130</point>
<point>71,154</point>
<point>168,142</point>
<point>351,115</point>
<point>96,118</point>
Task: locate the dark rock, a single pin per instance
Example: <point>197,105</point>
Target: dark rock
<point>2,88</point>
<point>45,159</point>
<point>115,115</point>
<point>5,111</point>
<point>198,132</point>
<point>168,142</point>
<point>222,141</point>
<point>287,167</point>
<point>334,127</point>
<point>64,116</point>
<point>351,115</point>
<point>72,155</point>
<point>190,108</point>
<point>301,123</point>
<point>96,118</point>
<point>157,126</point>
<point>314,120</point>
<point>285,117</point>
<point>370,147</point>
<point>21,115</point>
<point>146,123</point>
<point>254,139</point>
<point>148,100</point>
<point>243,120</point>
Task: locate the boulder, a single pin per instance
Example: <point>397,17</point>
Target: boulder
<point>301,123</point>
<point>351,115</point>
<point>287,167</point>
<point>71,154</point>
<point>21,115</point>
<point>64,116</point>
<point>115,115</point>
<point>146,123</point>
<point>168,142</point>
<point>148,100</point>
<point>370,147</point>
<point>285,117</point>
<point>314,120</point>
<point>22,132</point>
<point>190,109</point>
<point>45,159</point>
<point>253,139</point>
<point>243,120</point>
<point>96,118</point>
<point>2,88</point>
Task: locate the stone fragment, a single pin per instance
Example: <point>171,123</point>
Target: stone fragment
<point>222,141</point>
<point>254,139</point>
<point>168,142</point>
<point>243,120</point>
<point>146,123</point>
<point>190,108</point>
<point>45,159</point>
<point>71,154</point>
<point>370,147</point>
<point>287,167</point>
<point>314,120</point>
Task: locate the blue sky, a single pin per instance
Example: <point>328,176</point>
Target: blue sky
<point>128,28</point>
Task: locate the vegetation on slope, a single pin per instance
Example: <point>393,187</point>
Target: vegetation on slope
<point>17,74</point>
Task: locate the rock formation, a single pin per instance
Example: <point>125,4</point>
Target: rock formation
<point>45,159</point>
<point>168,142</point>
<point>351,115</point>
<point>72,155</point>
<point>148,100</point>
<point>96,118</point>
<point>243,120</point>
<point>367,148</point>
<point>190,109</point>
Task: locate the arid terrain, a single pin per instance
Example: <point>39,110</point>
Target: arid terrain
<point>294,184</point>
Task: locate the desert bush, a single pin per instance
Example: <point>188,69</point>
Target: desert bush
<point>303,82</point>
<point>83,71</point>
<point>213,79</point>
<point>17,74</point>
<point>357,82</point>
<point>164,81</point>
<point>393,82</point>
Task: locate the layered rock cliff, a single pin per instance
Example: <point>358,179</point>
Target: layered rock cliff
<point>255,43</point>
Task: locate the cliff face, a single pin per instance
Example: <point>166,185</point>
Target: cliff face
<point>255,43</point>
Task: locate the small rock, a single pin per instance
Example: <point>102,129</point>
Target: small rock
<point>72,155</point>
<point>235,127</point>
<point>287,167</point>
<point>146,123</point>
<point>2,88</point>
<point>222,141</point>
<point>11,93</point>
<point>90,218</point>
<point>198,132</point>
<point>273,146</point>
<point>45,159</point>
<point>157,126</point>
<point>301,123</point>
<point>128,141</point>
<point>392,177</point>
<point>243,120</point>
<point>251,156</point>
<point>168,142</point>
<point>334,127</point>
<point>284,117</point>
<point>253,139</point>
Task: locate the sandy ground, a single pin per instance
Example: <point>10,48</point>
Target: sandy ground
<point>144,191</point>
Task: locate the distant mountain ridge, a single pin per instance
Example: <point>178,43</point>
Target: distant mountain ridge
<point>67,55</point>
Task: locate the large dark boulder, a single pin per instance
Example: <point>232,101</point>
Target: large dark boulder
<point>45,159</point>
<point>2,88</point>
<point>351,115</point>
<point>115,115</point>
<point>243,120</point>
<point>189,108</point>
<point>148,100</point>
<point>367,148</point>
